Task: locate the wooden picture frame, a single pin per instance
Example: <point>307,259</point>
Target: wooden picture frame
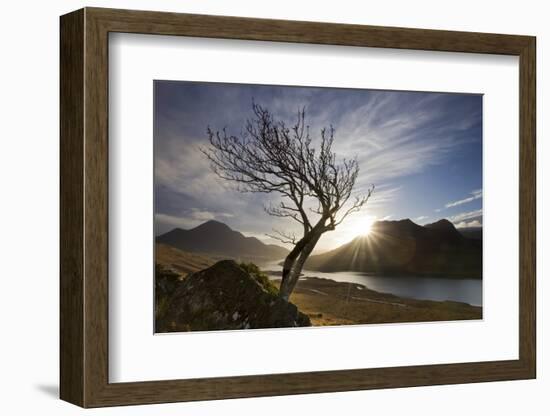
<point>84,207</point>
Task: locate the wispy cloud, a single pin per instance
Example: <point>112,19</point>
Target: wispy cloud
<point>203,215</point>
<point>465,216</point>
<point>382,195</point>
<point>399,135</point>
<point>393,135</point>
<point>191,219</point>
<point>164,222</point>
<point>468,224</point>
<point>475,194</point>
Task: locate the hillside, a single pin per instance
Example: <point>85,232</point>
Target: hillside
<point>219,241</point>
<point>182,262</point>
<point>472,232</point>
<point>403,247</point>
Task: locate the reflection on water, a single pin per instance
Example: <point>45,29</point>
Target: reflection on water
<point>416,287</point>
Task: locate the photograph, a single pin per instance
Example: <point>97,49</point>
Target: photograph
<point>279,206</point>
<point>362,190</point>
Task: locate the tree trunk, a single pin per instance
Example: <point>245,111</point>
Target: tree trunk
<point>291,273</point>
<point>287,267</point>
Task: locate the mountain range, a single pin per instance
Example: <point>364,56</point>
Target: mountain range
<point>403,247</point>
<point>391,247</point>
<point>219,241</point>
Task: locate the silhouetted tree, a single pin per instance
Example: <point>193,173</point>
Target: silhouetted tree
<point>271,157</point>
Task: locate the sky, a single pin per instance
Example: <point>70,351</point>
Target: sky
<point>421,150</point>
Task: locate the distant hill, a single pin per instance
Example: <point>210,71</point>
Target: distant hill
<point>219,241</point>
<point>403,247</point>
<point>182,262</point>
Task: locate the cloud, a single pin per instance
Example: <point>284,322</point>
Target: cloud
<point>421,218</point>
<point>201,215</point>
<point>192,219</point>
<point>382,195</point>
<point>476,194</point>
<point>392,135</point>
<point>181,167</point>
<point>468,224</point>
<point>400,134</point>
<point>465,216</point>
<point>164,222</point>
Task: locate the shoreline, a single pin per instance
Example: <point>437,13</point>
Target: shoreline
<point>277,273</point>
<point>328,302</point>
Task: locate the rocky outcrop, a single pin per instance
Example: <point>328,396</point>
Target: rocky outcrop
<point>226,297</point>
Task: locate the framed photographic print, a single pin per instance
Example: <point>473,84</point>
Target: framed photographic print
<point>256,207</point>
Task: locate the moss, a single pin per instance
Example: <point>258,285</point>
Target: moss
<point>260,277</point>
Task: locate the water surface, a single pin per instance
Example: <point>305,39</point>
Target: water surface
<point>415,287</point>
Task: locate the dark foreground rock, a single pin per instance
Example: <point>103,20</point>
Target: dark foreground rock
<point>225,297</point>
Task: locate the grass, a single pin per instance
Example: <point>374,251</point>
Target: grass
<point>327,302</point>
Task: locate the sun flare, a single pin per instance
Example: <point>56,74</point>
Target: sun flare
<point>365,226</point>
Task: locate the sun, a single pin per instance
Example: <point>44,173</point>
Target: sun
<point>364,225</point>
<point>360,226</point>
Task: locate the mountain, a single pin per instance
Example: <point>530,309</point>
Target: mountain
<point>403,247</point>
<point>219,241</point>
<point>472,232</point>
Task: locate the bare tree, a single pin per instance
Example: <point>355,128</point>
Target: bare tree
<point>270,157</point>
